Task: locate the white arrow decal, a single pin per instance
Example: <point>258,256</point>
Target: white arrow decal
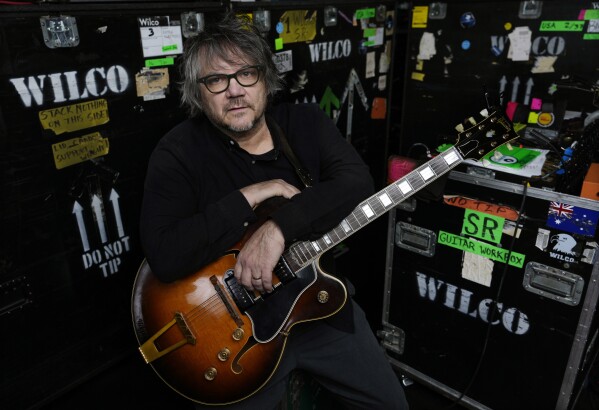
<point>97,207</point>
<point>515,85</point>
<point>529,85</point>
<point>78,211</point>
<point>114,198</point>
<point>502,83</point>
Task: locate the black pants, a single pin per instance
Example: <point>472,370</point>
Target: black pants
<point>352,366</point>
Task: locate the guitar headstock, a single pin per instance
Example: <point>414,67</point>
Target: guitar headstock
<point>484,135</point>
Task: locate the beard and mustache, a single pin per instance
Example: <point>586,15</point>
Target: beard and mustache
<point>230,128</point>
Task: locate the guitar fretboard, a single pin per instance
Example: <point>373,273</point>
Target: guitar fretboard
<point>301,254</point>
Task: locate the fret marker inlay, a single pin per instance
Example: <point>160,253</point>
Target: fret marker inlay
<point>368,211</point>
<point>385,200</point>
<point>345,226</point>
<point>315,246</point>
<point>427,173</point>
<point>404,187</point>
<point>327,239</point>
<point>450,157</point>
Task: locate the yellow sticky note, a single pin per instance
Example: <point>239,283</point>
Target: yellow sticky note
<point>300,26</point>
<point>69,118</point>
<point>81,149</point>
<point>533,117</point>
<point>419,17</point>
<point>278,43</point>
<point>418,76</point>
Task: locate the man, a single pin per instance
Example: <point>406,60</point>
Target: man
<point>207,177</point>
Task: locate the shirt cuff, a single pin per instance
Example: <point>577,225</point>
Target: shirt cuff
<point>237,210</point>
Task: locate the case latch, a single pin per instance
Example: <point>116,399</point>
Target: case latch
<point>556,284</point>
<point>415,239</point>
<point>392,338</point>
<point>59,31</point>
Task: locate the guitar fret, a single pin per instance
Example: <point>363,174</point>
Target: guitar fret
<point>353,220</point>
<point>315,246</point>
<point>377,206</point>
<point>395,193</point>
<point>302,249</point>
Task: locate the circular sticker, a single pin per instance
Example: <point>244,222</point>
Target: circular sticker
<point>465,45</point>
<point>505,160</point>
<point>545,119</point>
<point>279,27</point>
<point>507,26</point>
<point>467,20</point>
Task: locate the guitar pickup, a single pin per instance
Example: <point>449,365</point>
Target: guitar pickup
<point>243,299</point>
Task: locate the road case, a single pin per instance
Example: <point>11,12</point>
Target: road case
<point>496,335</point>
<point>86,91</point>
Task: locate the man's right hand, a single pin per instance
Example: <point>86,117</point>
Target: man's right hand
<point>255,194</point>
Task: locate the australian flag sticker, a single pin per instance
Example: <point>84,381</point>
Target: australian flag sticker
<point>573,219</point>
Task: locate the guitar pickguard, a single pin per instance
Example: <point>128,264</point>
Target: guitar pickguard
<point>269,318</point>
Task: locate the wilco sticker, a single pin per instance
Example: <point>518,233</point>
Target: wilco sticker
<point>75,117</point>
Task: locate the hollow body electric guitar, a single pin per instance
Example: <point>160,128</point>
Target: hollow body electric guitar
<point>216,343</point>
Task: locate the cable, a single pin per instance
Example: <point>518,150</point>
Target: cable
<point>493,311</point>
<point>419,144</point>
<point>546,140</point>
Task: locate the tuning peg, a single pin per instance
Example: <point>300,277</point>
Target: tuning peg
<point>459,128</point>
<point>497,155</point>
<point>484,112</point>
<point>471,120</point>
<point>509,146</point>
<point>486,162</point>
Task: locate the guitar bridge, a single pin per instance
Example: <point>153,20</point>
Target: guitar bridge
<point>150,351</point>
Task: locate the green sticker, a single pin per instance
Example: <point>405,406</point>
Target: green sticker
<point>591,14</point>
<point>364,13</point>
<point>483,226</point>
<point>573,25</point>
<point>369,32</point>
<point>156,62</point>
<point>591,36</point>
<point>172,47</point>
<point>278,43</point>
<point>480,248</point>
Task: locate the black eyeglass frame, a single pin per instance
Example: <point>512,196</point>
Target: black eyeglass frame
<point>259,68</point>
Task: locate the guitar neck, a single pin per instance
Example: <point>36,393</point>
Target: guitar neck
<point>301,254</point>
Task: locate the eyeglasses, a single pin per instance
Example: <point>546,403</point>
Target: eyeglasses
<point>218,83</point>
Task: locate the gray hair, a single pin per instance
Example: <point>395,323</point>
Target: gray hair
<point>229,39</point>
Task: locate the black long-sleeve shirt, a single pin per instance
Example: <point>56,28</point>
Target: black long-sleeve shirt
<point>193,210</point>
